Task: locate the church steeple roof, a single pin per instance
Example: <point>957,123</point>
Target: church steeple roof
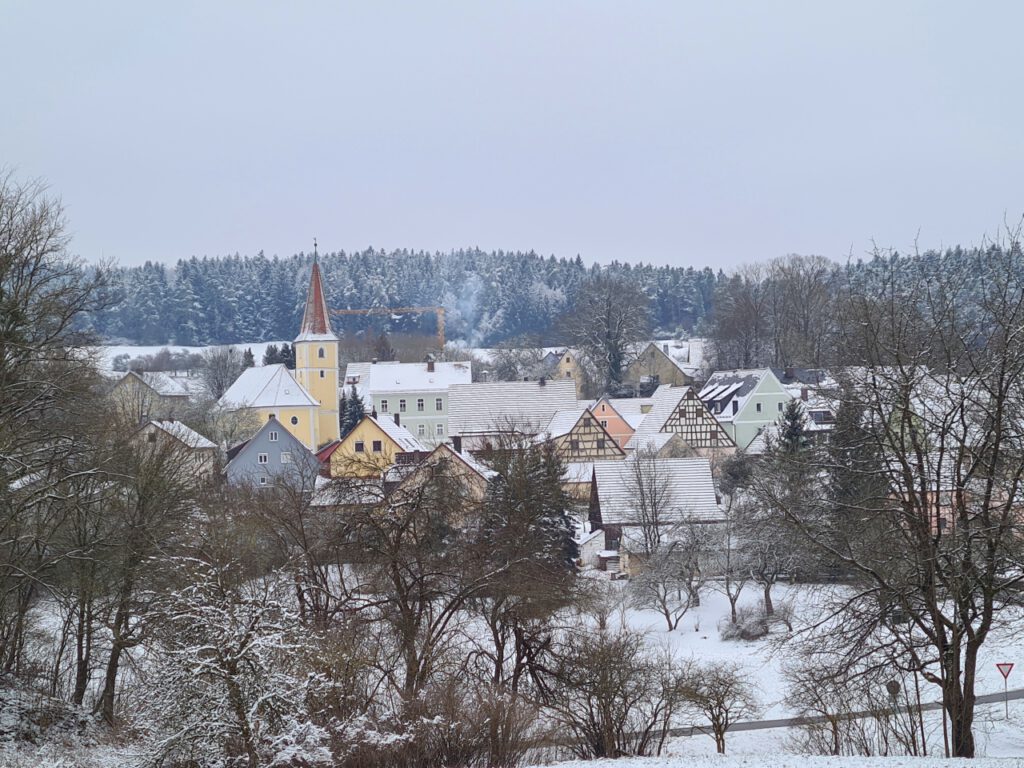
<point>316,322</point>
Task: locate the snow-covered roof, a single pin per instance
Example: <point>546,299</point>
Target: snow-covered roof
<point>725,387</point>
<point>161,383</point>
<point>316,337</point>
<point>650,441</point>
<point>183,433</point>
<point>664,402</point>
<point>626,407</point>
<point>634,419</point>
<point>269,386</point>
<point>405,439</point>
<point>579,472</point>
<point>689,490</point>
<point>563,421</point>
<point>489,407</point>
<point>473,463</point>
<point>347,492</point>
<point>416,377</point>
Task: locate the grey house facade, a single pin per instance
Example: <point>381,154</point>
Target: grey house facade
<point>273,456</point>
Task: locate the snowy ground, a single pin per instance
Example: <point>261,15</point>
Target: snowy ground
<point>790,761</point>
<point>108,353</point>
<point>764,662</point>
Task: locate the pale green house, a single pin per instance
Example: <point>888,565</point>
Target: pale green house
<point>745,401</point>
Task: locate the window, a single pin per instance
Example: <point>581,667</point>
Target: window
<point>438,404</point>
<point>262,458</point>
<point>600,443</point>
<point>323,374</point>
<point>604,423</point>
<point>378,446</point>
<point>780,407</point>
<point>421,430</point>
<point>401,406</point>
<point>439,430</point>
<point>320,353</point>
<point>360,446</point>
<point>602,407</point>
<point>151,437</point>
<point>294,420</point>
<point>758,407</point>
<point>419,404</point>
<point>272,435</point>
<point>263,479</point>
<point>574,445</point>
<point>568,374</point>
<point>286,457</point>
<point>383,406</point>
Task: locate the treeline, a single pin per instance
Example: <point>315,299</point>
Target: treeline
<point>490,296</point>
<point>790,311</point>
<point>770,313</point>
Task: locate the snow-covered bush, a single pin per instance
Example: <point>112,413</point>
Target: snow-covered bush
<point>750,624</point>
<point>616,694</point>
<point>227,679</point>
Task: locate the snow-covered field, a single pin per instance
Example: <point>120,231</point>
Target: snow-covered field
<point>108,353</point>
<point>764,663</point>
<point>789,761</point>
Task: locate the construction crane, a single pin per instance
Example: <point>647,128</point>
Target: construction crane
<point>439,311</point>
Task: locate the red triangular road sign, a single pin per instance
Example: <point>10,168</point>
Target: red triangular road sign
<point>1004,669</point>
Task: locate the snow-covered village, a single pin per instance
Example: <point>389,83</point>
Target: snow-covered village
<point>511,385</point>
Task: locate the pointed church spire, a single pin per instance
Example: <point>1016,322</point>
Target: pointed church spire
<point>316,318</point>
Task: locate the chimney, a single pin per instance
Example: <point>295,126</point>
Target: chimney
<point>430,365</point>
<point>803,394</point>
<point>373,413</point>
<point>374,360</point>
<point>542,381</point>
<point>457,443</point>
<point>664,348</point>
<point>789,373</point>
<point>397,422</point>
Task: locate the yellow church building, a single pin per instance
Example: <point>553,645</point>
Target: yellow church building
<point>305,402</point>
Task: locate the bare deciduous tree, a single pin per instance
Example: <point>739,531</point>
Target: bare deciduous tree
<point>923,506</point>
<point>609,318</point>
<point>723,693</point>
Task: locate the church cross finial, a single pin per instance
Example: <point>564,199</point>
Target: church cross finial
<point>315,255</point>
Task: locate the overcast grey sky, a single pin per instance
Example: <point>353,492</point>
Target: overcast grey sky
<point>671,132</point>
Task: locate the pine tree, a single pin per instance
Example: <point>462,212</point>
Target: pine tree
<point>271,355</point>
<point>247,359</point>
<point>353,413</point>
<point>288,356</point>
<point>792,429</point>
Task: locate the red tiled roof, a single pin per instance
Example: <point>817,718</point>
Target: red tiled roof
<point>315,318</point>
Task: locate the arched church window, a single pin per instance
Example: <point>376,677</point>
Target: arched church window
<point>320,352</point>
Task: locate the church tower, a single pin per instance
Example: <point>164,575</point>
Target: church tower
<point>316,358</point>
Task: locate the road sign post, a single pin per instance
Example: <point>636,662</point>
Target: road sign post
<point>1004,669</point>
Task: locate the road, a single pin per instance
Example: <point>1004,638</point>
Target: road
<point>787,722</point>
